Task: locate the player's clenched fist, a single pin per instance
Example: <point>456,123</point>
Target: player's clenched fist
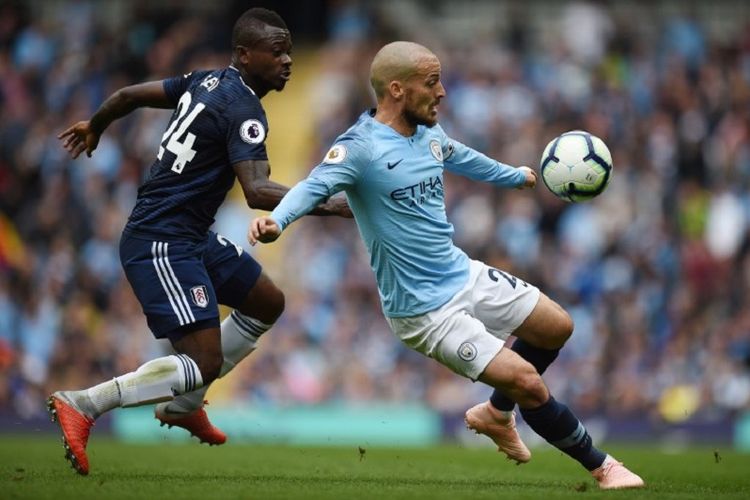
<point>263,229</point>
<point>531,177</point>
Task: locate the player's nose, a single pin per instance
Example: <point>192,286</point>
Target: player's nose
<point>440,91</point>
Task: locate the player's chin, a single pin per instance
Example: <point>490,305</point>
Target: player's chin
<point>281,82</point>
<point>431,119</point>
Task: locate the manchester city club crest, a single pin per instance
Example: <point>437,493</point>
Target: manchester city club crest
<point>199,295</point>
<point>436,150</point>
<point>467,351</point>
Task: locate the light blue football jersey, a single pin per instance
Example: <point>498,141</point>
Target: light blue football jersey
<point>394,185</point>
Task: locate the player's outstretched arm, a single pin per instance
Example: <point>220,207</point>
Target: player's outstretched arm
<point>261,193</point>
<point>468,162</point>
<point>263,229</point>
<point>84,135</point>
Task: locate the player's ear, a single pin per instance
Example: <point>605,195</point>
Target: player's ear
<point>242,54</point>
<point>396,89</point>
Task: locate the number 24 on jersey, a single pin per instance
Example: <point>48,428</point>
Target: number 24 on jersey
<point>178,140</point>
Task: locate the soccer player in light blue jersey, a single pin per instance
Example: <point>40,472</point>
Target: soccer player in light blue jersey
<point>436,299</point>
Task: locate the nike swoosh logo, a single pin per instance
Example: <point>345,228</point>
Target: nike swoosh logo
<point>169,412</point>
<point>393,165</point>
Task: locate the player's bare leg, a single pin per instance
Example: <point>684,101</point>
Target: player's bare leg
<point>240,332</point>
<point>538,341</point>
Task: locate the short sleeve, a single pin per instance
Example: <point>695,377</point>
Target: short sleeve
<point>247,129</point>
<point>343,164</point>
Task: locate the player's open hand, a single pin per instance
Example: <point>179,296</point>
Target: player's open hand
<point>79,138</point>
<point>531,178</point>
<point>263,229</point>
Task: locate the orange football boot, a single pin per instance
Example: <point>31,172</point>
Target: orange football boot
<point>196,423</point>
<point>75,426</point>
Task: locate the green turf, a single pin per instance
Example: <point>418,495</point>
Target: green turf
<point>35,468</point>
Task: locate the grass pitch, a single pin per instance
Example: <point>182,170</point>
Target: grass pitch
<point>34,468</point>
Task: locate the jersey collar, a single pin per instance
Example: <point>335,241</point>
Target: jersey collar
<point>241,80</point>
<point>370,115</point>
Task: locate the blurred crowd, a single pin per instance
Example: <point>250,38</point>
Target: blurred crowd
<point>655,272</point>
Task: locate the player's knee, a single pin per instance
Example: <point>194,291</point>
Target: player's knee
<point>270,308</point>
<point>275,305</point>
<point>565,327</point>
<point>558,332</point>
<point>265,303</point>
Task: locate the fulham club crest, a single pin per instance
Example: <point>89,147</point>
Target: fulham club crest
<point>200,295</point>
<point>252,131</point>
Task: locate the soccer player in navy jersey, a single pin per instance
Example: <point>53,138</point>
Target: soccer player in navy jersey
<point>436,299</point>
<point>179,269</point>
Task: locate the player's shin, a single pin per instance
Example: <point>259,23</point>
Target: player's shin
<point>239,338</point>
<point>155,381</point>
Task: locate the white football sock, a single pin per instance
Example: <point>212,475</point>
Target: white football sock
<point>239,337</point>
<point>157,380</point>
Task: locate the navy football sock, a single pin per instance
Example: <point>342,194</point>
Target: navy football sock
<point>556,423</point>
<point>539,358</point>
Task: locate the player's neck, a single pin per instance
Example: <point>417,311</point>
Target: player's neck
<point>395,119</point>
<point>258,88</point>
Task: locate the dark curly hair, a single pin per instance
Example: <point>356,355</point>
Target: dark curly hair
<point>247,26</point>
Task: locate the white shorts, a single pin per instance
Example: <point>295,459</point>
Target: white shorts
<point>467,332</point>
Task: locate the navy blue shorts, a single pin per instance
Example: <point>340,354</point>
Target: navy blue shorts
<point>180,284</point>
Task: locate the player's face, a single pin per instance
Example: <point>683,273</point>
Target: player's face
<point>423,92</point>
<point>268,63</point>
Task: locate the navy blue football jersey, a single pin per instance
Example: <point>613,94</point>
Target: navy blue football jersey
<point>218,121</point>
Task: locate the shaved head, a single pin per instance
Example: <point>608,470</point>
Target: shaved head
<point>396,61</point>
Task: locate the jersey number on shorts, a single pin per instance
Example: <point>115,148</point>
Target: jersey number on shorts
<point>179,140</point>
<point>226,242</point>
<point>495,275</point>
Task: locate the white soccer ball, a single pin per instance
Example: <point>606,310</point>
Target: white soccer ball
<point>576,166</point>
